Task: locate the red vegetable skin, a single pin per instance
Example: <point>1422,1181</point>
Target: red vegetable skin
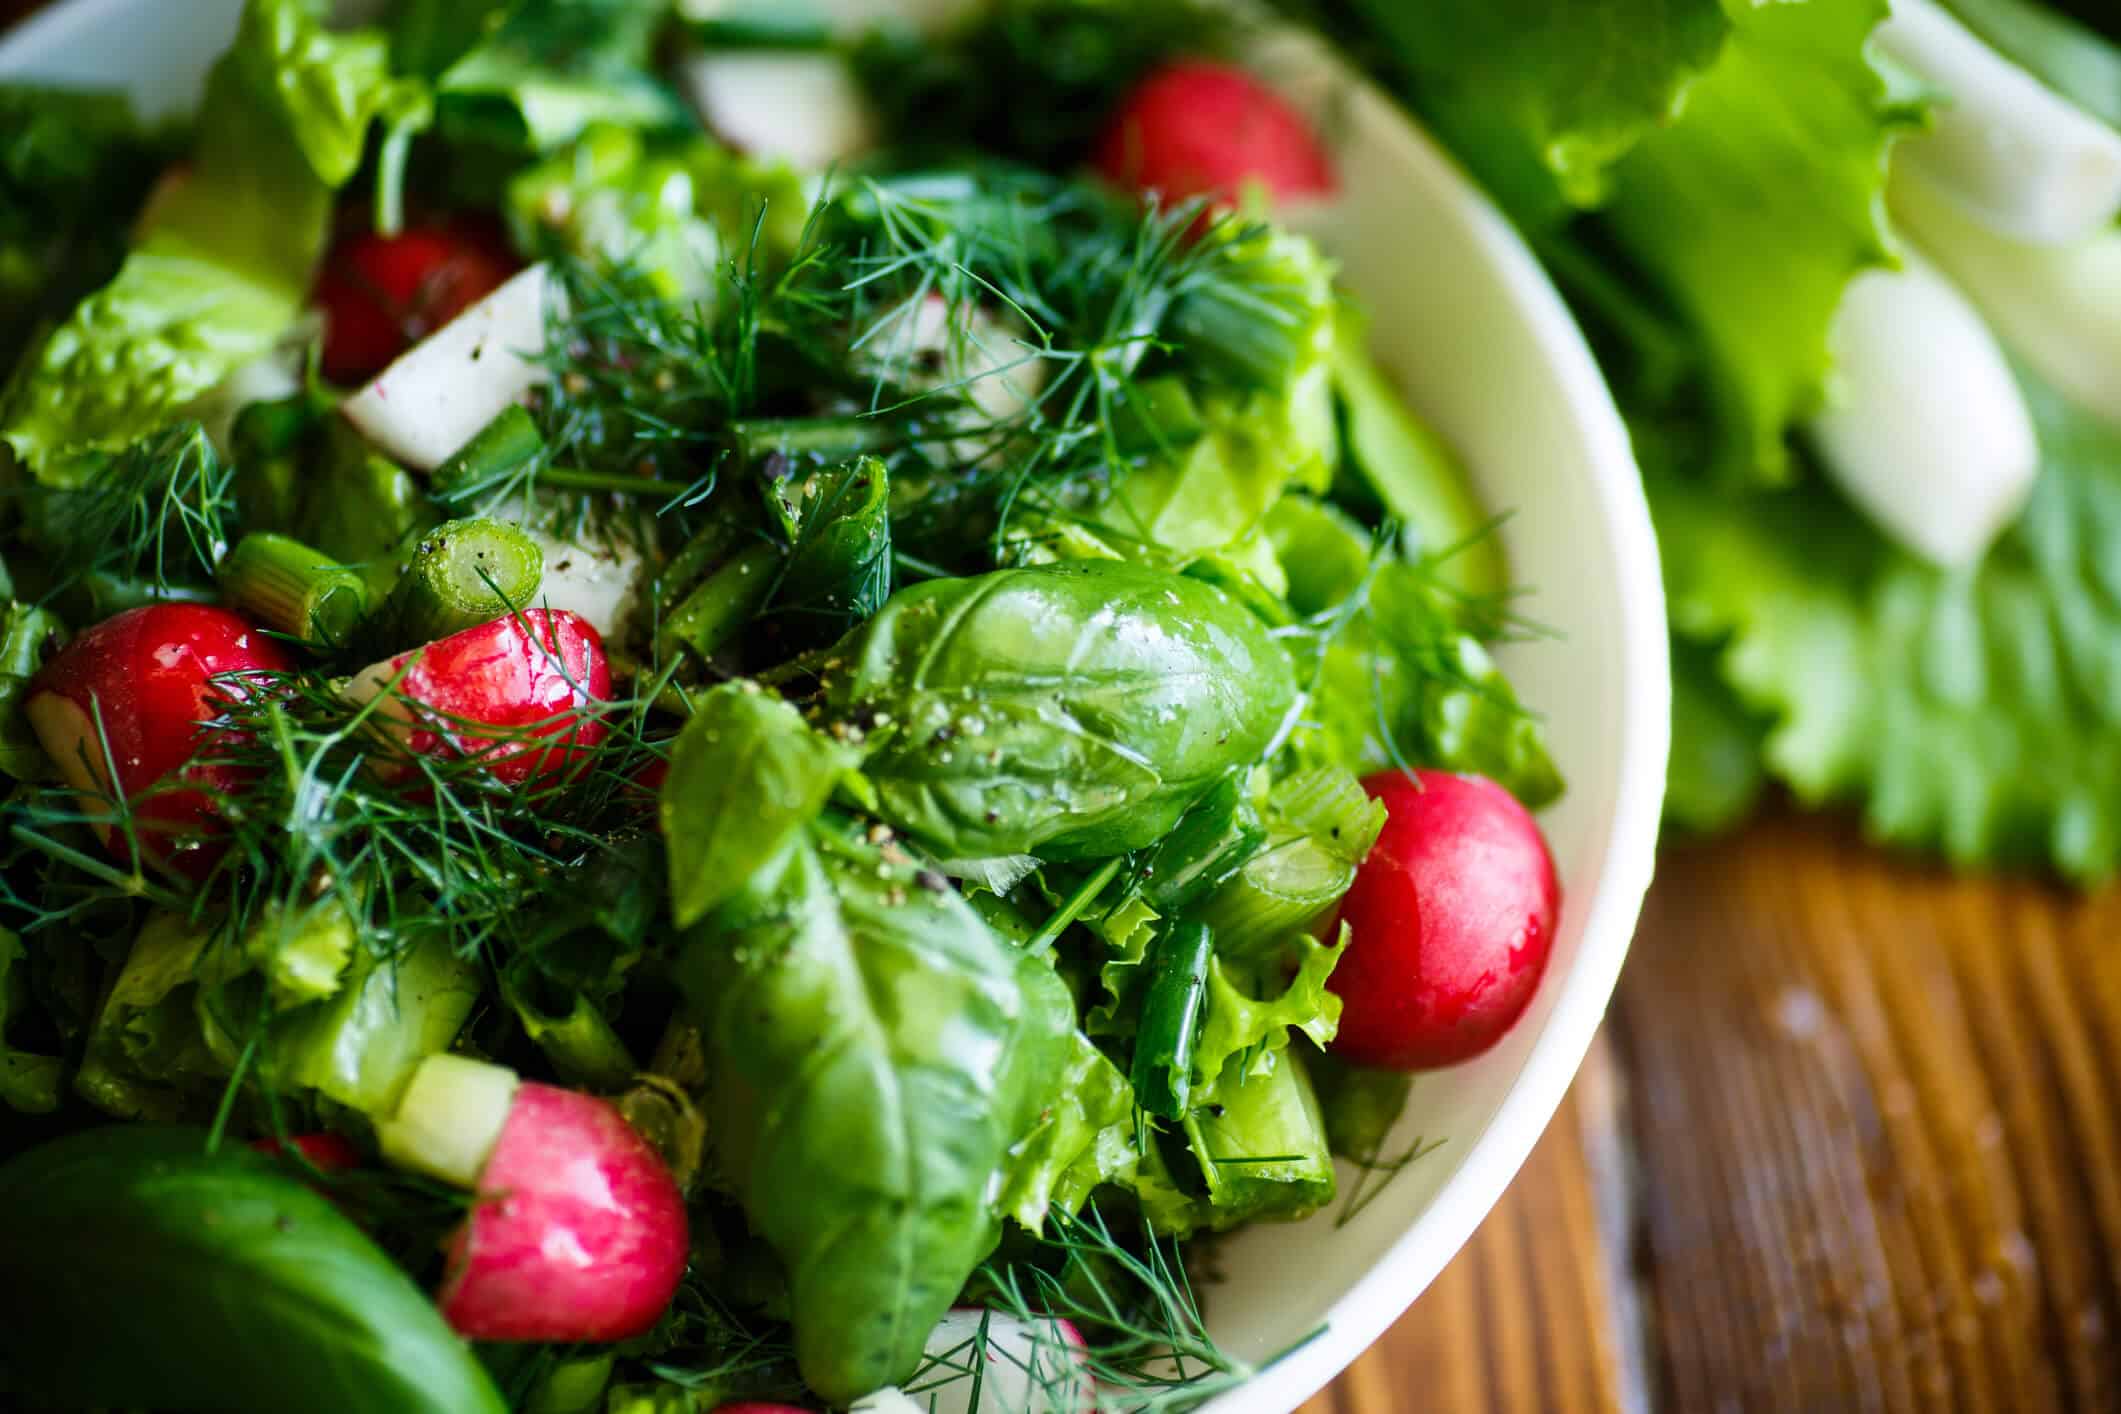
<point>332,1153</point>
<point>580,1233</point>
<point>151,675</point>
<point>1453,919</point>
<point>1195,128</point>
<point>531,678</point>
<point>380,295</point>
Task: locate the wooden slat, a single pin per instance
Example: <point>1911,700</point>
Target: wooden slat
<point>1875,1111</point>
<point>1521,1320</point>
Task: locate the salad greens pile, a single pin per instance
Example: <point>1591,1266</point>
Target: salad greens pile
<point>1705,181</point>
<point>1003,587</point>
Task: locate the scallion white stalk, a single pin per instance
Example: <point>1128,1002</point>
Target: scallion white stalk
<point>1926,430</point>
<point>2058,307</point>
<point>449,1120</point>
<point>2017,156</point>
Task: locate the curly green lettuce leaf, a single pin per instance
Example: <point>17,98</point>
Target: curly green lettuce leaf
<point>880,1051</point>
<point>1715,775</point>
<point>1974,714</point>
<point>1539,97</point>
<point>27,634</point>
<point>1255,1005</point>
<point>224,266</point>
<point>1754,210</point>
<point>533,74</point>
<point>1084,1138</point>
<point>75,166</point>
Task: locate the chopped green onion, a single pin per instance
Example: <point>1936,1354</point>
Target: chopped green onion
<point>724,602</point>
<point>464,572</point>
<point>293,589</point>
<point>1170,1019</point>
<point>499,452</point>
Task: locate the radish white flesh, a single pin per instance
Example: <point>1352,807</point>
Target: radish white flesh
<point>445,388</point>
<point>1025,1367</point>
<point>1928,433</point>
<point>2059,307</point>
<point>804,108</point>
<point>450,1119</point>
<point>2016,155</point>
<point>603,583</point>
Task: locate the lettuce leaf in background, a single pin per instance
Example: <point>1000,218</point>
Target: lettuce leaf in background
<point>74,168</point>
<point>1756,208</point>
<point>226,261</point>
<point>1978,714</point>
<point>528,75</point>
<point>1539,97</point>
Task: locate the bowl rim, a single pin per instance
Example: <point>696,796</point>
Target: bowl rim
<point>1492,1158</point>
<point>1398,1276</point>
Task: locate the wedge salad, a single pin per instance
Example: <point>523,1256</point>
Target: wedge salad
<point>714,709</point>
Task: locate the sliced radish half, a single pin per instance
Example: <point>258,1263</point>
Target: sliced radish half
<point>517,693</point>
<point>579,1233</point>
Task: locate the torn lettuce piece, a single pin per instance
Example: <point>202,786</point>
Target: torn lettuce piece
<point>225,263</point>
<point>29,1083</point>
<point>529,75</point>
<point>1084,1139</point>
<point>1756,207</point>
<point>1539,97</point>
<point>26,635</point>
<point>1974,714</point>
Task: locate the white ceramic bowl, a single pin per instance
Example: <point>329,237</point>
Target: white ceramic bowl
<point>1462,314</point>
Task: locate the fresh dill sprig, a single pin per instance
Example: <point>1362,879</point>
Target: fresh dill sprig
<point>161,512</point>
<point>1373,1173</point>
<point>1130,1296</point>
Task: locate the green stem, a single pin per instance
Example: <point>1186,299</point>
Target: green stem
<point>710,615</point>
<point>500,451</point>
<point>1073,907</point>
<point>1170,1020</point>
<point>568,479</point>
<point>135,885</point>
<point>824,438</point>
<point>293,589</point>
<point>464,572</point>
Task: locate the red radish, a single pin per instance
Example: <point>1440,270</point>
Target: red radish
<point>331,1153</point>
<point>1452,917</point>
<point>1196,128</point>
<point>383,294</point>
<point>151,676</point>
<point>579,1233</point>
<point>527,678</point>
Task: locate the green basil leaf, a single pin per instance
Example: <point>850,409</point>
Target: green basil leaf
<point>1070,710</point>
<point>138,1270</point>
<point>746,774</point>
<point>880,1051</point>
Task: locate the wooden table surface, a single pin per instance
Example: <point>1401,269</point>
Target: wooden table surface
<point>1850,1140</point>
